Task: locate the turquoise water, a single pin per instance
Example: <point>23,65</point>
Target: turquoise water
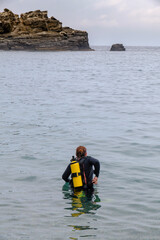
<point>52,102</point>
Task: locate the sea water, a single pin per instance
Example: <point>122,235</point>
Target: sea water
<point>52,102</point>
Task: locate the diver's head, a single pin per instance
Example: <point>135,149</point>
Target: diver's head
<point>81,152</point>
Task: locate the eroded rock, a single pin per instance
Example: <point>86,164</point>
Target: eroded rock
<point>35,31</point>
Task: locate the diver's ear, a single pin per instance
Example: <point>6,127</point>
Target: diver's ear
<point>86,154</point>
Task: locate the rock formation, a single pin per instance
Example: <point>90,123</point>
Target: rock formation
<point>117,47</point>
<point>35,31</point>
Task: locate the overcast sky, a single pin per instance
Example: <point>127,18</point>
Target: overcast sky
<point>132,23</point>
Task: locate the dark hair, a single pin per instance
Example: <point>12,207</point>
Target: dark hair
<point>81,151</point>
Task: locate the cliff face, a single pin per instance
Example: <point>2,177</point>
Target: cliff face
<point>35,31</point>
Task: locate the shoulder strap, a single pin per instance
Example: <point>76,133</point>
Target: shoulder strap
<point>85,180</point>
<point>81,162</point>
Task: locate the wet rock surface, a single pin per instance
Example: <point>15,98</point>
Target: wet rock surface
<point>117,47</point>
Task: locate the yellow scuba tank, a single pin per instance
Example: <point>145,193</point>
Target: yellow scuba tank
<point>76,173</point>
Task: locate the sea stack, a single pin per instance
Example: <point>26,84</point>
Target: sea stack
<point>35,31</point>
<point>117,47</point>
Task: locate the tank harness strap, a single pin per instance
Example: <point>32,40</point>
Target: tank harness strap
<point>76,174</point>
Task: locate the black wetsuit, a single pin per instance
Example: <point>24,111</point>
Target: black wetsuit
<point>86,165</point>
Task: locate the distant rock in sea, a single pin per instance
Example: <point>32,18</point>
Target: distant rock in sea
<point>117,47</point>
<point>35,31</point>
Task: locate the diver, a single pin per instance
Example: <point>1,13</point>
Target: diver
<point>82,168</point>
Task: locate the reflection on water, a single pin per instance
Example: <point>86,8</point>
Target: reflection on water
<point>82,202</point>
<point>82,227</point>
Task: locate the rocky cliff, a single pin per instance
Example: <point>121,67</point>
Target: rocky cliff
<point>35,31</point>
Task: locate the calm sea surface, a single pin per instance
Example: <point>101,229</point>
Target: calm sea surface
<point>52,102</point>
